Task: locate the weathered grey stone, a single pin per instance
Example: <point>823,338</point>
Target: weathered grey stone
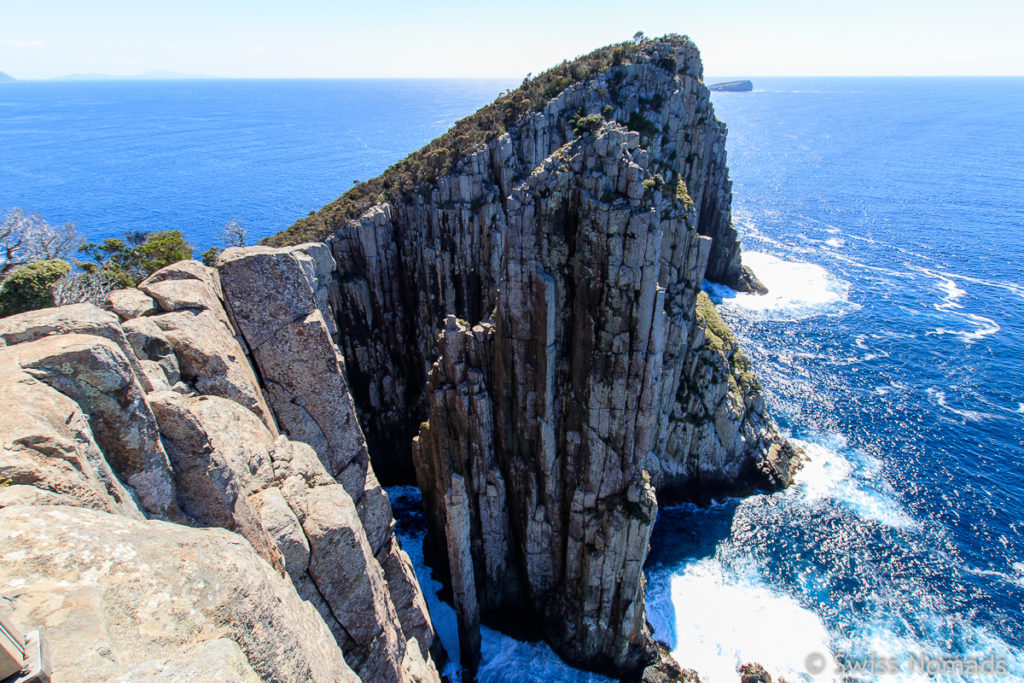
<point>273,302</point>
<point>129,303</point>
<point>221,453</point>
<point>150,343</point>
<point>209,357</point>
<point>117,596</point>
<point>218,660</point>
<point>94,373</point>
<point>371,609</point>
<point>185,285</point>
<point>73,319</point>
<point>47,446</point>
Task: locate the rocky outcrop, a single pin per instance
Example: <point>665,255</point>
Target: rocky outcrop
<point>119,597</point>
<point>576,374</point>
<point>281,303</point>
<point>519,328</point>
<point>169,421</point>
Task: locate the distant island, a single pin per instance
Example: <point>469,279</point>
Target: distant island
<point>732,86</point>
<point>6,78</point>
<point>148,76</point>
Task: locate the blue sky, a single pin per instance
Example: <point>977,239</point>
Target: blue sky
<point>316,38</point>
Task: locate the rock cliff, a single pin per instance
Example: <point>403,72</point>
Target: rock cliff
<point>511,318</point>
<point>580,375</point>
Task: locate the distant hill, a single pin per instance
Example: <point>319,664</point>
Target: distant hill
<point>148,76</point>
<point>6,78</point>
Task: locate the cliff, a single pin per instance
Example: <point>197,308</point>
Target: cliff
<point>511,318</point>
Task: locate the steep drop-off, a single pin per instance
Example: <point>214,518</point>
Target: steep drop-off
<point>511,318</point>
<point>528,322</point>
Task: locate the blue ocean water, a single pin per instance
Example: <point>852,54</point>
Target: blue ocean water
<point>885,215</point>
<point>887,218</point>
<point>111,156</point>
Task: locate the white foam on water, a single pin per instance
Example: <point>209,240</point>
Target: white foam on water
<point>909,659</point>
<point>938,398</point>
<point>725,617</point>
<point>835,242</point>
<point>1018,567</point>
<point>1020,408</point>
<point>950,303</point>
<point>796,290</point>
<point>858,485</point>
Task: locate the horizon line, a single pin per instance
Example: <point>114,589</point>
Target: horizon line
<point>73,78</point>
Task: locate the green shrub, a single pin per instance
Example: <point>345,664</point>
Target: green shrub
<point>418,171</point>
<point>590,122</point>
<point>130,262</point>
<point>683,194</point>
<point>31,287</point>
<point>209,256</point>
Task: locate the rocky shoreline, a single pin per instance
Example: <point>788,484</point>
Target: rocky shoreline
<point>192,477</point>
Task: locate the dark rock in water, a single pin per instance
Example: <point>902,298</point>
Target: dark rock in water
<point>755,673</point>
<point>732,86</point>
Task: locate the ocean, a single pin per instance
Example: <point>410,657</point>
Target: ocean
<point>885,215</point>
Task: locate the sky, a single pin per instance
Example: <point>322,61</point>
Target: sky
<point>439,38</point>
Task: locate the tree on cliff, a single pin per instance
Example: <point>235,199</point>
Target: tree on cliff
<point>129,261</point>
<point>29,238</point>
<point>37,271</point>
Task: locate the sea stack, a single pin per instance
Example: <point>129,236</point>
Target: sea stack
<point>511,319</point>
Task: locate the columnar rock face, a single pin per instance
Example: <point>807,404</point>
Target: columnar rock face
<point>523,335</point>
<point>576,374</point>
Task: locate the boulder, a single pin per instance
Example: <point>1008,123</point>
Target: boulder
<point>209,358</point>
<point>129,303</point>
<point>220,454</point>
<point>48,454</point>
<point>95,373</point>
<point>73,319</point>
<point>121,599</point>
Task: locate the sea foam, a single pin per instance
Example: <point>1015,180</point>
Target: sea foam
<point>796,290</point>
<point>724,616</point>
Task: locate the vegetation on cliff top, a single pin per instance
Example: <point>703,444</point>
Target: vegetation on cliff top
<point>422,168</point>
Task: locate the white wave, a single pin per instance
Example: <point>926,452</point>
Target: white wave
<point>950,303</point>
<point>877,641</point>
<point>938,397</point>
<point>828,473</point>
<point>725,617</point>
<point>835,242</point>
<point>1020,408</point>
<point>796,290</point>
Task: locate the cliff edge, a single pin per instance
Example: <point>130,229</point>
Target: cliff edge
<point>511,318</point>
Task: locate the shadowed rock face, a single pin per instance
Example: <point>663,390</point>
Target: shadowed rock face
<point>574,374</point>
<point>525,338</point>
